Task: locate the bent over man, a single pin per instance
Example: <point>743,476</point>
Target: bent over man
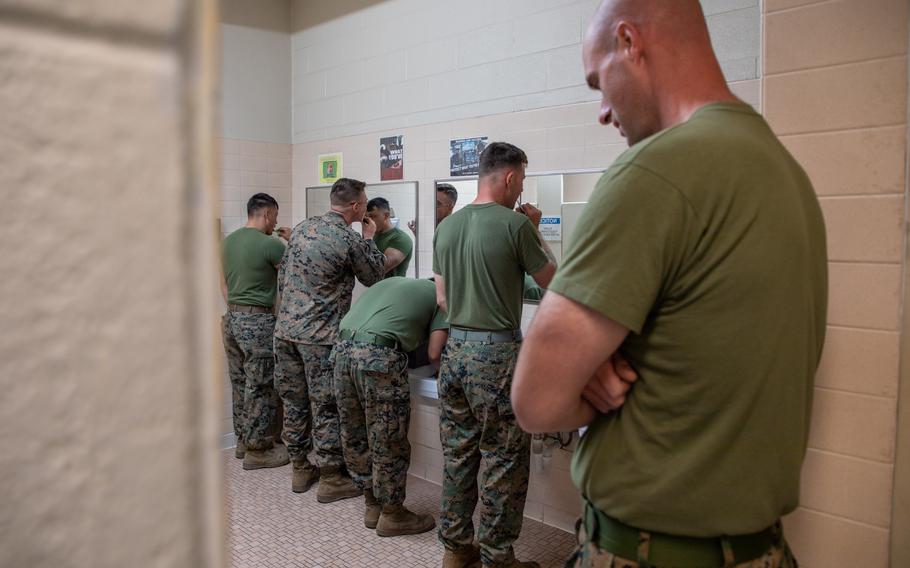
<point>390,319</point>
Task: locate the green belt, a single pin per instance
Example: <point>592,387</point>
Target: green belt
<point>367,337</point>
<point>462,334</point>
<point>659,549</point>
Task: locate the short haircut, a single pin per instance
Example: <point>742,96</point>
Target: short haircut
<point>378,203</point>
<point>347,190</point>
<point>258,202</point>
<point>449,190</point>
<point>500,155</point>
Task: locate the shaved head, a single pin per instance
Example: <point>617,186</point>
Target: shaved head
<point>675,20</point>
<point>652,60</point>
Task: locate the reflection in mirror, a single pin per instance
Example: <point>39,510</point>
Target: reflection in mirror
<point>465,192</point>
<point>559,196</point>
<point>402,198</point>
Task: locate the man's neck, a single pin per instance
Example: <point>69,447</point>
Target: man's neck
<point>254,224</point>
<point>341,214</point>
<point>677,109</point>
<point>487,195</point>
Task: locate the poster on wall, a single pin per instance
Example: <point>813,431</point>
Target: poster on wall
<point>464,155</point>
<point>391,158</point>
<point>330,168</point>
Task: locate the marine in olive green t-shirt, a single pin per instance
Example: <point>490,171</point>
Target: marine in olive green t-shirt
<point>397,239</point>
<point>249,260</point>
<point>400,309</point>
<point>483,253</point>
<point>707,242</point>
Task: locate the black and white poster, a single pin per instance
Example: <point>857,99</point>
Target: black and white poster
<point>464,155</point>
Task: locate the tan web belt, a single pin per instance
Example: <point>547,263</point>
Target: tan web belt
<point>250,309</point>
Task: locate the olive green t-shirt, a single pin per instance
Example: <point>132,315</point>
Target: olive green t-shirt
<point>706,241</point>
<point>249,258</point>
<point>397,239</point>
<point>532,290</point>
<point>401,309</point>
<point>482,253</point>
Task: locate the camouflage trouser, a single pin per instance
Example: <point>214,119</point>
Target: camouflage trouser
<point>303,377</point>
<point>374,404</point>
<point>251,364</point>
<point>476,420</point>
<point>588,554</point>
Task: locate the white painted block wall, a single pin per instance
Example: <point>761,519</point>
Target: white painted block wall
<point>414,62</point>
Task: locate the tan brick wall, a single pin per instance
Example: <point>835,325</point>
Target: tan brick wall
<point>835,89</point>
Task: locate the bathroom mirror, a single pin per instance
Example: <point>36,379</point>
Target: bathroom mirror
<point>402,198</point>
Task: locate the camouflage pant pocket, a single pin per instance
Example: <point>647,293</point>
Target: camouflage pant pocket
<point>394,412</point>
<point>260,368</point>
<point>401,412</point>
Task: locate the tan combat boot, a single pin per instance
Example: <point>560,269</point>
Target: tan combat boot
<point>303,476</point>
<point>468,557</point>
<point>372,509</point>
<point>240,450</point>
<point>395,520</point>
<point>276,456</point>
<point>334,486</point>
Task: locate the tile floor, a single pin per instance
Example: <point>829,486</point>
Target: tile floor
<point>270,527</point>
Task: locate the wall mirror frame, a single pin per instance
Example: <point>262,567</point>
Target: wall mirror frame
<point>557,193</point>
<point>403,198</point>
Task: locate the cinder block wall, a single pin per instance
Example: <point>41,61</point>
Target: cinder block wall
<point>106,363</point>
<point>835,90</point>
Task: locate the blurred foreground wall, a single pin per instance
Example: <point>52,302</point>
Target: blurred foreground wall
<point>107,411</point>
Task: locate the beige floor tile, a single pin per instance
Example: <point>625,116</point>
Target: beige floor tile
<point>271,527</point>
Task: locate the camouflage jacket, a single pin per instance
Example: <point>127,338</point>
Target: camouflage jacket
<point>316,278</point>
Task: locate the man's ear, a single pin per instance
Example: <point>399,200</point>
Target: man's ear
<point>628,40</point>
<point>509,177</point>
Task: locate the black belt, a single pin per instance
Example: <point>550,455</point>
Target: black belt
<point>659,549</point>
<point>251,309</point>
<point>368,337</point>
<point>507,336</point>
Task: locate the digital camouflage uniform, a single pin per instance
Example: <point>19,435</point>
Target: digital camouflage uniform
<point>483,253</point>
<point>316,279</point>
<point>374,403</point>
<point>249,258</point>
<point>248,344</point>
<point>371,381</point>
<point>474,384</point>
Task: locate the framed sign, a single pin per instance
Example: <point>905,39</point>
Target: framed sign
<point>330,167</point>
